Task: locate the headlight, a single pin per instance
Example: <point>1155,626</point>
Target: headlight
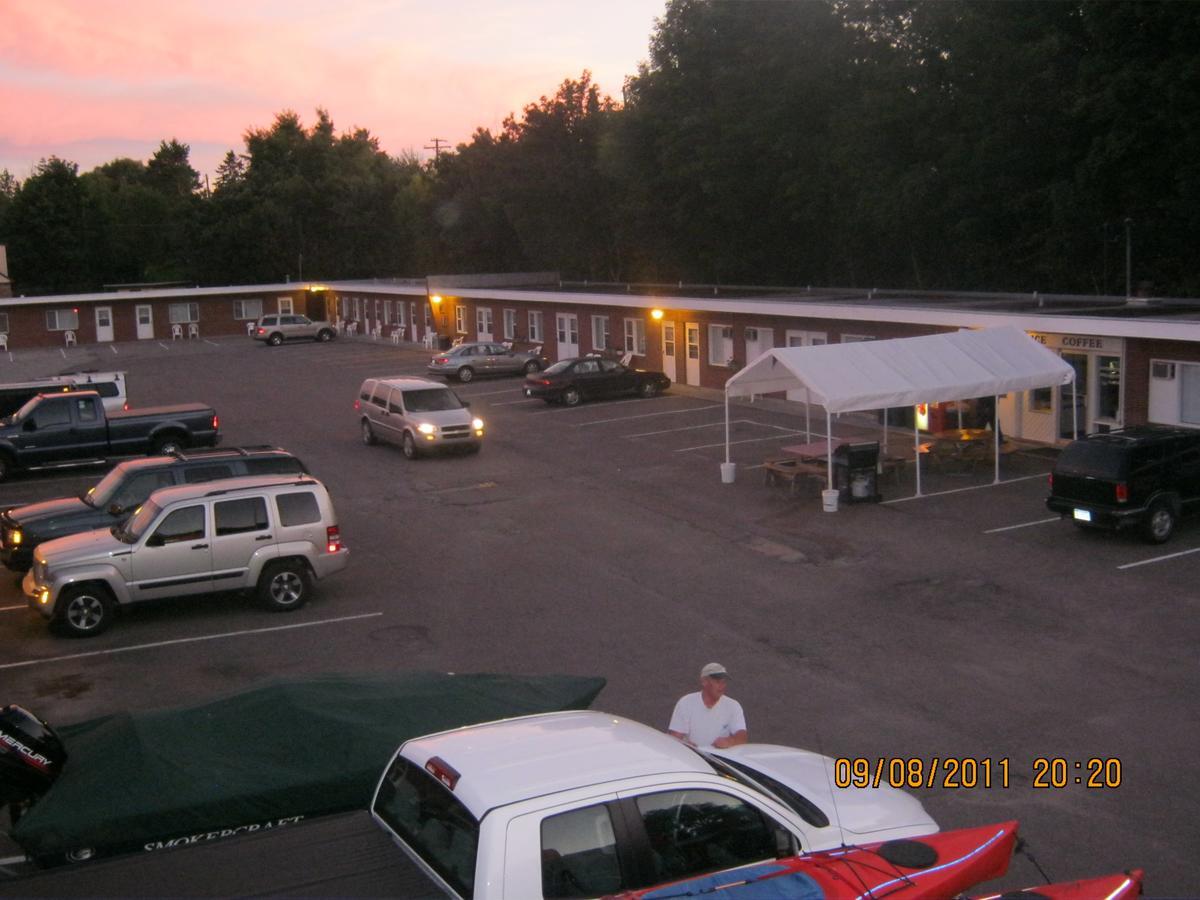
<point>426,428</point>
<point>15,537</point>
<point>477,424</point>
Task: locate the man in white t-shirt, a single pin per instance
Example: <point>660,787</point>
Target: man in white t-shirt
<point>708,719</point>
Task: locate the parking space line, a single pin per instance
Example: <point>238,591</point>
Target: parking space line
<point>490,393</point>
<point>1154,559</point>
<point>564,409</point>
<point>970,487</point>
<point>665,412</point>
<point>11,608</point>
<point>774,437</point>
<point>1022,525</point>
<point>719,424</point>
<point>515,402</point>
<point>191,640</point>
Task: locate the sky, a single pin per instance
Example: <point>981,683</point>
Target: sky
<point>93,80</point>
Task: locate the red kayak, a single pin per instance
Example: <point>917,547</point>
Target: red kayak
<point>932,867</point>
<point>1121,886</point>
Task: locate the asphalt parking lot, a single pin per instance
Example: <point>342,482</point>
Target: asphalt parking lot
<point>968,624</point>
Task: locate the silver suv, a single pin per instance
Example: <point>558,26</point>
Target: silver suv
<point>466,361</point>
<point>418,414</point>
<point>279,327</point>
<point>270,534</point>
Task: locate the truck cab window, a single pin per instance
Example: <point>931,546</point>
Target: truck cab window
<point>695,832</point>
<point>579,854</point>
<point>52,412</point>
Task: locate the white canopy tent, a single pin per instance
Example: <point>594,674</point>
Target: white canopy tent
<point>904,372</point>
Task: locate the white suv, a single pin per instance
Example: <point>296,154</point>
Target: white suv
<point>418,414</point>
<point>269,533</point>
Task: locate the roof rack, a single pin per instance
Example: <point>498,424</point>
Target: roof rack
<point>296,480</point>
<point>210,452</point>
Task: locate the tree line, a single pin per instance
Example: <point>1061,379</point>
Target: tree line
<point>910,144</point>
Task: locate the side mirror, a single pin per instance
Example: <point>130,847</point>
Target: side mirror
<point>115,509</point>
<point>155,540</point>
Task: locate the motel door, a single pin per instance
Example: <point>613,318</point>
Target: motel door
<point>483,324</point>
<point>144,313</point>
<point>104,325</point>
<point>668,350</point>
<point>692,331</point>
<point>568,335</point>
<point>804,339</point>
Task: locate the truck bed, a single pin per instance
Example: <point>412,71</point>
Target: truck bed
<point>346,855</point>
<point>175,409</point>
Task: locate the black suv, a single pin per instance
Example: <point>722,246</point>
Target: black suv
<point>1145,476</point>
<point>124,489</point>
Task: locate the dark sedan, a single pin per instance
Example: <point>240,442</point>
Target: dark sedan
<point>572,381</point>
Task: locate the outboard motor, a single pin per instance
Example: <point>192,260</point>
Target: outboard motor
<point>31,758</point>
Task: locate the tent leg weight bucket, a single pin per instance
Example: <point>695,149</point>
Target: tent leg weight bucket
<point>728,472</point>
<point>829,500</point>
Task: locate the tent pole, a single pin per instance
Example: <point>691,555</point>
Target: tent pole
<point>828,450</point>
<point>996,435</point>
<point>807,417</point>
<point>958,406</point>
<point>1074,408</point>
<point>726,425</point>
<point>917,451</point>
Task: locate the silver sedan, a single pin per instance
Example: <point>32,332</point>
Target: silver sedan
<point>468,361</point>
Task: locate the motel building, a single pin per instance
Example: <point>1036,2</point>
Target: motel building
<point>1137,360</point>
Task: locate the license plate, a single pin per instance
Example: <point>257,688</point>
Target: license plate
<point>528,392</point>
<point>1083,515</point>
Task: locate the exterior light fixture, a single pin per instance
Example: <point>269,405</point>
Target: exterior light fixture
<point>656,314</point>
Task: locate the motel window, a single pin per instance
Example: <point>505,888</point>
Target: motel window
<point>460,319</point>
<point>510,324</point>
<point>720,345</point>
<point>182,313</point>
<point>284,304</point>
<point>247,309</point>
<point>856,338</point>
<point>62,319</point>
<point>535,325</point>
<point>599,332</point>
<point>635,336</point>
<point>3,323</point>
<point>1189,394</point>
<point>1041,400</point>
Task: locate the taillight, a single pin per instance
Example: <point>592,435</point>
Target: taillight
<point>357,406</point>
<point>545,381</point>
<point>125,406</point>
<point>261,331</point>
<point>1122,492</point>
<point>440,360</point>
<point>333,539</point>
<point>216,423</point>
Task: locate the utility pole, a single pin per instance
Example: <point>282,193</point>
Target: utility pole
<point>1128,257</point>
<point>437,146</point>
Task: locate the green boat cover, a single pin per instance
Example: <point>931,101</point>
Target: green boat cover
<point>266,757</point>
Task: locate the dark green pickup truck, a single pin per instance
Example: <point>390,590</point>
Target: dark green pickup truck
<point>56,430</point>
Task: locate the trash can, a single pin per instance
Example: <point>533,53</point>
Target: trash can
<point>855,472</point>
<point>444,342</point>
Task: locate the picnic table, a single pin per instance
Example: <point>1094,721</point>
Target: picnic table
<point>814,450</point>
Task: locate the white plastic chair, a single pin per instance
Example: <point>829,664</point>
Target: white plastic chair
<point>250,329</point>
<point>4,341</point>
<point>376,332</point>
<point>193,330</point>
<point>627,358</point>
<point>69,337</point>
<point>396,334</point>
<point>429,340</point>
<point>352,329</point>
<point>176,332</point>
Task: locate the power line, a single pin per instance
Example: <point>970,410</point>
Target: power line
<point>437,146</point>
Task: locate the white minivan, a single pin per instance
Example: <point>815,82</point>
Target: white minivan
<point>418,414</point>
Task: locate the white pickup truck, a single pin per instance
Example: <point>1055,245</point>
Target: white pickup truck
<point>585,804</point>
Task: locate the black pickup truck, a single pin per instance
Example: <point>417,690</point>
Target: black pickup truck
<point>54,430</point>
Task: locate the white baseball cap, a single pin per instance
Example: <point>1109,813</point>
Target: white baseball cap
<point>714,670</point>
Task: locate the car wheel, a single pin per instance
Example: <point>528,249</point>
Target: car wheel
<point>275,340</point>
<point>284,586</point>
<point>368,434</point>
<point>1160,522</point>
<point>465,374</point>
<point>531,367</point>
<point>648,389</point>
<point>83,610</point>
<point>571,396</point>
<point>324,335</point>
<point>408,446</point>
<point>165,446</point>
